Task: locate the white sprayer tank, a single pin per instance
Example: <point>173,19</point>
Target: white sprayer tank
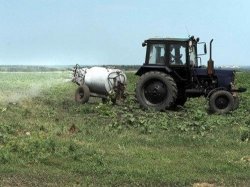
<point>102,80</point>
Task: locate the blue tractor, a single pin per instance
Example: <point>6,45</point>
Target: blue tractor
<point>171,73</point>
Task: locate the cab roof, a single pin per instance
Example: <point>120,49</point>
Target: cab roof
<point>169,39</point>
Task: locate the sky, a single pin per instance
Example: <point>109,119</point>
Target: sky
<point>98,32</point>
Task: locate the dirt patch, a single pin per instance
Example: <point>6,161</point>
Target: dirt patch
<point>203,184</point>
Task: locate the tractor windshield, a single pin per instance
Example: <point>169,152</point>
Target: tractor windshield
<point>192,56</point>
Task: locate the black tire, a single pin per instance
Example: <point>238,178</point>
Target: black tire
<point>82,94</point>
<point>221,102</point>
<point>156,90</point>
<point>236,103</point>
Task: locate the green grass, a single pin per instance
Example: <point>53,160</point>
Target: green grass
<point>48,139</point>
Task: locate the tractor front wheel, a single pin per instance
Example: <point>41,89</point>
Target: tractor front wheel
<point>221,102</point>
<point>156,90</point>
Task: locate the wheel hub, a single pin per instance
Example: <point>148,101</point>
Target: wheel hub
<point>81,94</point>
<point>222,102</point>
<point>155,92</point>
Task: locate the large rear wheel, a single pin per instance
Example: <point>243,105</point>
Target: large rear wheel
<point>156,90</point>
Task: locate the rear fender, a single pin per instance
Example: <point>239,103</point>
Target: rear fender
<point>144,69</point>
<point>214,90</point>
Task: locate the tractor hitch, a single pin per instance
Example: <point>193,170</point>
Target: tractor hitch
<point>239,90</point>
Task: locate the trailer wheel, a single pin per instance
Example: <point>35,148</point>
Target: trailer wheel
<point>82,94</point>
<point>221,102</point>
<point>156,90</point>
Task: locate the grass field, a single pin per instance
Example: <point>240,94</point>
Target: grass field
<point>46,139</point>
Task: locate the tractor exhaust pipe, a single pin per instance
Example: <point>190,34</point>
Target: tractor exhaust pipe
<point>210,63</point>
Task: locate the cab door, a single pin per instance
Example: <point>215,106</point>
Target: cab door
<point>177,59</point>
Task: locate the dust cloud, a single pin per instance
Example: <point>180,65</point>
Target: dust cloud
<point>18,95</point>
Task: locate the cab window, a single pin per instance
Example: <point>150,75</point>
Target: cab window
<point>157,54</point>
<point>177,54</point>
<point>192,56</point>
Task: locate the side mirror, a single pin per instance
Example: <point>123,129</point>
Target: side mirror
<point>202,47</point>
<point>144,44</point>
<point>205,48</point>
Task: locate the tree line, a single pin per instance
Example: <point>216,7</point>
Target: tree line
<point>33,68</point>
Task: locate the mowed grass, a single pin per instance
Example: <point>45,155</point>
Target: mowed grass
<point>46,139</point>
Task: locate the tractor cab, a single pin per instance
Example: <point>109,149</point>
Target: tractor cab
<point>171,51</point>
<point>175,56</point>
